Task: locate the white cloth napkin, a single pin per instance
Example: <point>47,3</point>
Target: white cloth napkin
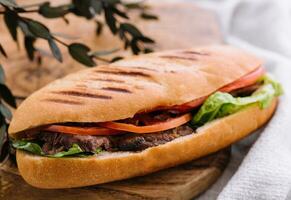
<point>261,170</point>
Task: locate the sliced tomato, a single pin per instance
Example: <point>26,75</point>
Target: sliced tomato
<point>161,126</point>
<point>190,105</point>
<point>82,130</point>
<point>245,81</point>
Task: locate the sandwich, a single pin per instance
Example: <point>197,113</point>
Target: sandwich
<point>140,115</point>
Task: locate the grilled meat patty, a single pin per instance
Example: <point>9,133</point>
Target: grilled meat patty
<point>56,142</point>
<point>138,142</point>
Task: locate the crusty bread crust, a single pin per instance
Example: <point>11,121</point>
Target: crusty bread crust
<point>46,172</point>
<point>139,83</point>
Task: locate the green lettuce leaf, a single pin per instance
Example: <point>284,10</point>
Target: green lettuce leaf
<point>98,150</point>
<point>75,149</point>
<point>35,148</point>
<point>28,146</point>
<point>222,104</point>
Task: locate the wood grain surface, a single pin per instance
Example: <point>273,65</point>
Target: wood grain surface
<point>180,25</point>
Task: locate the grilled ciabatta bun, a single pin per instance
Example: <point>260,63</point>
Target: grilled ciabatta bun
<point>137,84</point>
<point>46,172</point>
<point>125,88</point>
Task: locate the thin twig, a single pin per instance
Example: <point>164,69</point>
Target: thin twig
<point>60,41</point>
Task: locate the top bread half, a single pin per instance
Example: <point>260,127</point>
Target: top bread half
<point>136,84</point>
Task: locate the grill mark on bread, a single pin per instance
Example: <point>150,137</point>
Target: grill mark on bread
<point>196,53</point>
<point>107,80</point>
<point>178,57</point>
<point>116,89</point>
<point>125,73</point>
<point>122,82</point>
<point>63,101</point>
<point>145,68</point>
<point>82,94</point>
<point>138,74</point>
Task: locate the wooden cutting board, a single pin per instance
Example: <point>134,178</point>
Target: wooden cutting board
<point>178,183</point>
<point>181,25</point>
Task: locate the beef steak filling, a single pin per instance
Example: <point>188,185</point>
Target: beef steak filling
<point>56,142</point>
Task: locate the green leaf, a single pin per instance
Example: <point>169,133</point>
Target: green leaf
<point>55,50</point>
<point>9,3</point>
<point>2,75</point>
<point>147,50</point>
<point>35,148</point>
<point>28,146</point>
<point>131,29</point>
<point>25,30</point>
<point>98,150</point>
<point>112,2</point>
<point>2,51</point>
<point>80,53</point>
<point>268,79</point>
<point>53,12</point>
<point>7,96</point>
<point>11,21</point>
<point>75,149</point>
<point>97,6</point>
<point>110,20</point>
<point>119,12</point>
<point>83,8</point>
<point>135,5</point>
<point>134,46</point>
<point>5,112</point>
<point>222,104</point>
<point>148,16</point>
<point>28,44</point>
<point>116,59</point>
<point>38,29</point>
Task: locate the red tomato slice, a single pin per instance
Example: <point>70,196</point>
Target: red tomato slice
<point>161,126</point>
<point>82,130</point>
<point>245,81</point>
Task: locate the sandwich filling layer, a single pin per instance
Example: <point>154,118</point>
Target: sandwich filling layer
<point>146,130</point>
